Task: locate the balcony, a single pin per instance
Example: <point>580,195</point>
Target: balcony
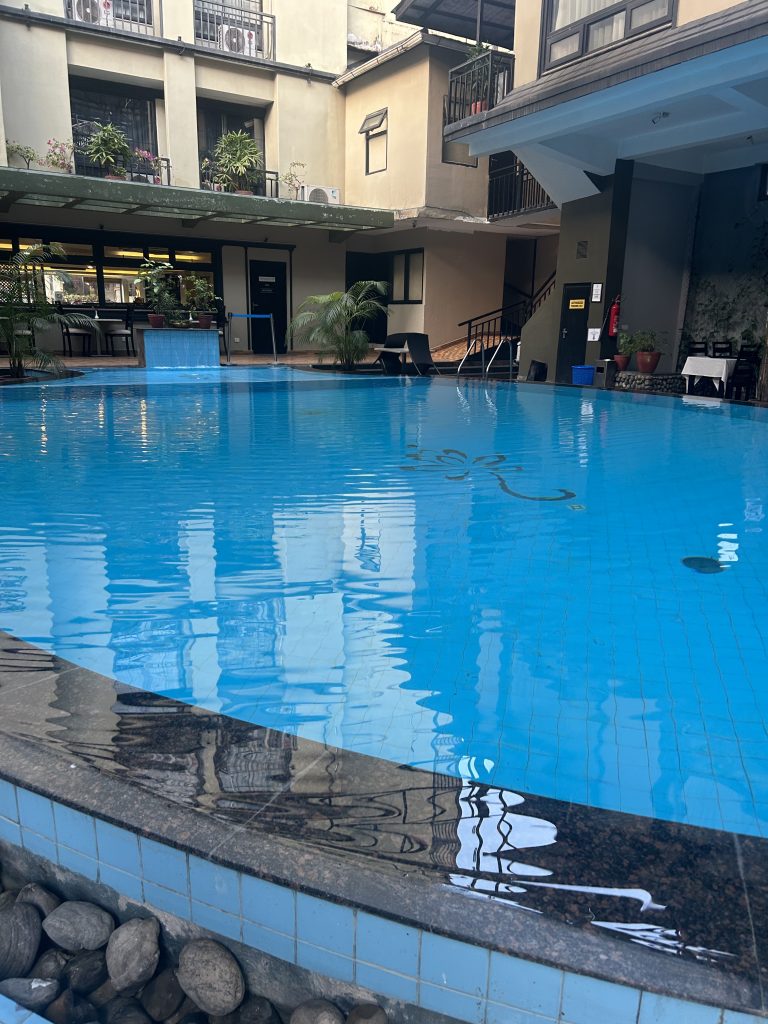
<point>512,190</point>
<point>478,85</point>
<point>262,183</point>
<point>236,27</point>
<point>140,16</point>
<point>142,166</point>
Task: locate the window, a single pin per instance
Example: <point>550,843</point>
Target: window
<point>579,27</point>
<point>374,128</point>
<point>131,110</point>
<point>75,286</point>
<point>217,119</point>
<point>407,277</point>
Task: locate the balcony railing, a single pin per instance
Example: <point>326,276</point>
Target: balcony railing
<point>149,169</point>
<point>513,190</point>
<point>238,27</point>
<point>141,16</point>
<point>478,85</point>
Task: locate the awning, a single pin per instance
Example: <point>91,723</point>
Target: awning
<point>20,187</point>
<point>459,18</point>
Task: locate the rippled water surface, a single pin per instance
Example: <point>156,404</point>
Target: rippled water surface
<point>489,581</point>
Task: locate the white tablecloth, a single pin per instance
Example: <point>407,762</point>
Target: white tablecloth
<point>706,366</point>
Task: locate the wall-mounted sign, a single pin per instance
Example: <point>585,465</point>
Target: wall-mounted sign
<point>597,292</point>
<point>577,304</point>
<point>593,334</point>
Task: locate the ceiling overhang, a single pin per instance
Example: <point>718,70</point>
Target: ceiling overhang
<point>20,187</point>
<point>459,18</point>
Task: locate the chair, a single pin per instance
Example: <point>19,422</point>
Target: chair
<point>122,334</point>
<point>697,348</point>
<point>392,362</point>
<point>722,349</point>
<point>743,383</point>
<point>537,370</point>
<point>70,334</point>
<point>421,356</point>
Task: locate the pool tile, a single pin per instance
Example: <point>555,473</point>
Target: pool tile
<point>215,885</point>
<point>502,1014</point>
<point>324,961</point>
<point>36,813</point>
<point>587,1000</point>
<point>731,1017</point>
<point>118,848</point>
<point>387,944</point>
<point>275,943</point>
<point>655,1009</point>
<point>216,920</point>
<point>38,844</point>
<point>448,962</point>
<point>8,806</point>
<point>75,830</point>
<point>452,1003</point>
<point>10,831</point>
<point>325,924</point>
<point>525,985</point>
<point>88,867</point>
<point>164,866</point>
<point>396,986</point>
<point>270,905</point>
<point>165,899</point>
<point>122,882</point>
<point>12,1013</point>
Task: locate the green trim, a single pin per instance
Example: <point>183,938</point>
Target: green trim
<point>72,191</point>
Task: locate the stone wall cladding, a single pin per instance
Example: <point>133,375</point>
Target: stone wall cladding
<point>658,383</point>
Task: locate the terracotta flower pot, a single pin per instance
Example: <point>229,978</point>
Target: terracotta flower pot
<point>622,361</point>
<point>205,321</point>
<point>647,361</point>
<point>156,320</point>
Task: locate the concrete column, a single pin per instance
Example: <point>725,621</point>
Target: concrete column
<point>178,19</point>
<point>180,109</point>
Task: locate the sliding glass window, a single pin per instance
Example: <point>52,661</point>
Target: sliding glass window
<point>578,27</point>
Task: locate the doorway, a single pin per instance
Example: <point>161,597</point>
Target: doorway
<point>574,319</point>
<point>371,266</point>
<point>269,294</point>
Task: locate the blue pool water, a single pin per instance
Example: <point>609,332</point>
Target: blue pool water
<point>365,561</point>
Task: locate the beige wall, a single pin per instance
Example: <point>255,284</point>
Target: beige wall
<point>692,10</point>
<point>372,22</point>
<point>527,38</point>
<point>181,119</point>
<point>309,129</point>
<point>314,33</point>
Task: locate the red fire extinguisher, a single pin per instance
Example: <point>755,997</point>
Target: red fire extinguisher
<point>614,315</point>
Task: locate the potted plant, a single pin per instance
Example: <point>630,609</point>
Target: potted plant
<point>237,160</point>
<point>646,353</point>
<point>59,155</point>
<point>25,309</point>
<point>108,147</point>
<point>153,277</point>
<point>624,354</point>
<point>26,153</point>
<point>201,299</point>
<point>294,177</point>
<point>150,172</point>
<point>335,323</point>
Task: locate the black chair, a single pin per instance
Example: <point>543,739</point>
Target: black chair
<point>697,348</point>
<point>70,333</point>
<point>421,356</point>
<point>743,382</point>
<point>391,362</point>
<point>722,349</point>
<point>537,370</point>
<point>124,334</point>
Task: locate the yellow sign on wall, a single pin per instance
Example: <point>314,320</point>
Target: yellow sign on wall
<point>577,304</point>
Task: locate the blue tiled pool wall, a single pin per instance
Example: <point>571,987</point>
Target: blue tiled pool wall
<point>404,963</point>
<point>11,1013</point>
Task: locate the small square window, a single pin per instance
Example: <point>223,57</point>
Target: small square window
<point>373,122</point>
<point>374,127</point>
<point>646,14</point>
<point>564,47</point>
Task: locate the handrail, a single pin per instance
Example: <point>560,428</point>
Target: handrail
<point>493,312</point>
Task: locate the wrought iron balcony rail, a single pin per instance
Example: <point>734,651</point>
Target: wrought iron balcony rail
<point>238,27</point>
<point>147,169</point>
<point>140,16</point>
<point>513,190</point>
<point>263,183</point>
<point>478,85</point>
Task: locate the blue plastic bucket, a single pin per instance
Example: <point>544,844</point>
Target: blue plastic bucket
<point>582,375</point>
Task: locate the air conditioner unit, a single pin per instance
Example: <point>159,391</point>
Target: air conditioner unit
<point>94,12</point>
<point>321,194</point>
<point>244,40</point>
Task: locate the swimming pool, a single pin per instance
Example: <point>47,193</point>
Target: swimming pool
<point>487,581</point>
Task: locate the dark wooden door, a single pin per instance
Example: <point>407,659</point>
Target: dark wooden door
<point>269,294</point>
<point>574,318</point>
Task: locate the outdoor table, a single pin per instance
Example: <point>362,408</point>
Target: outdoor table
<point>101,324</point>
<point>400,350</point>
<point>718,370</point>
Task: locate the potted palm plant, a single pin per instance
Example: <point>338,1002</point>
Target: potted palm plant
<point>158,295</point>
<point>25,309</point>
<point>647,355</point>
<point>237,160</point>
<point>201,299</point>
<point>624,354</point>
<point>108,147</point>
<point>334,324</point>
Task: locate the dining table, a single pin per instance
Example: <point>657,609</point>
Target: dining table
<point>718,369</point>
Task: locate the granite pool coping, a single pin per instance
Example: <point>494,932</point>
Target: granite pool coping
<point>403,844</point>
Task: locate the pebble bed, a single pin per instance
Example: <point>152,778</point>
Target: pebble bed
<point>661,383</point>
<point>70,962</point>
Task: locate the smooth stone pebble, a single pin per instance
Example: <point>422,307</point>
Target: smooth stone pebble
<point>133,953</point>
<point>186,1008</point>
<point>7,899</point>
<point>32,993</point>
<point>195,1018</point>
<point>19,940</point>
<point>39,897</point>
<point>60,1011</point>
<point>163,995</point>
<point>367,1013</point>
<point>51,965</point>
<point>124,1009</point>
<point>87,971</point>
<point>76,926</point>
<point>255,1010</point>
<point>102,995</point>
<point>211,976</point>
<point>317,1011</point>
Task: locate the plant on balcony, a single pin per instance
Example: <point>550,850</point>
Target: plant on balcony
<point>334,324</point>
<point>238,162</point>
<point>477,50</point>
<point>26,153</point>
<point>158,293</point>
<point>108,147</point>
<point>25,309</point>
<point>294,177</point>
<point>201,299</point>
<point>59,155</point>
<point>149,165</point>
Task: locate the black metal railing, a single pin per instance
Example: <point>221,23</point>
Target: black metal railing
<point>142,167</point>
<point>141,16</point>
<point>239,27</point>
<point>478,85</point>
<point>261,183</point>
<point>513,190</point>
